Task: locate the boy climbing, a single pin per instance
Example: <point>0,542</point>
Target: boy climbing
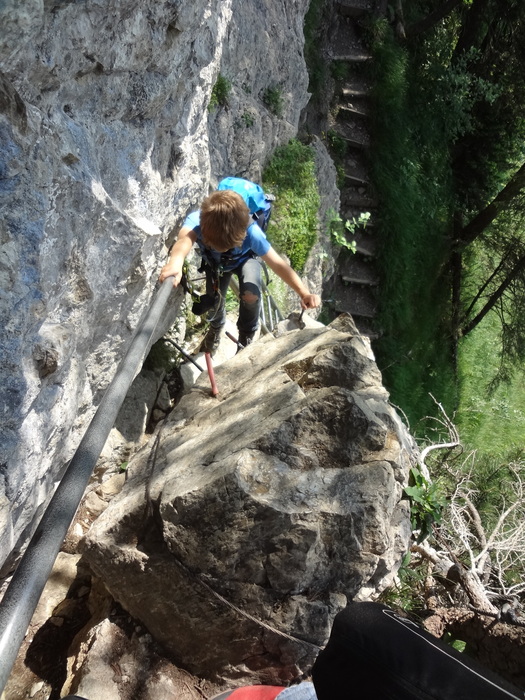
<point>231,242</point>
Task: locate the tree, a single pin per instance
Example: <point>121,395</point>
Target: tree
<point>432,18</point>
<point>491,46</point>
<point>484,218</point>
<point>515,272</point>
<point>497,267</point>
<point>466,124</point>
<point>489,173</point>
<point>476,21</point>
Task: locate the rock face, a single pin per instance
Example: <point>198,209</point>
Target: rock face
<point>263,512</point>
<point>106,142</point>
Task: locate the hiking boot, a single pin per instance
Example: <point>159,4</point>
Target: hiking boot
<point>245,339</point>
<point>211,340</point>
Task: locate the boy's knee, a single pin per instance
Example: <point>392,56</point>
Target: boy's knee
<point>249,297</point>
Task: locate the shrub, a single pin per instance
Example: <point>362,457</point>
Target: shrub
<point>248,119</point>
<point>290,175</point>
<point>220,92</point>
<point>273,99</point>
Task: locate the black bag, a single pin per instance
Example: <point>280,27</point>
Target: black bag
<point>375,654</point>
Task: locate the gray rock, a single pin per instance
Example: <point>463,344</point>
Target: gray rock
<point>320,263</point>
<point>106,142</point>
<point>263,511</point>
<point>120,664</point>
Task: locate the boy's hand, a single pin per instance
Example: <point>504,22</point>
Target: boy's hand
<point>171,270</point>
<point>310,301</point>
<point>179,251</point>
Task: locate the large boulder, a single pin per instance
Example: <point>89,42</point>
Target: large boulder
<point>254,517</point>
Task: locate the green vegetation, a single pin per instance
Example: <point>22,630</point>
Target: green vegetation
<point>290,176</point>
<point>490,419</point>
<point>339,230</point>
<point>248,119</point>
<point>317,66</point>
<point>273,99</point>
<point>220,92</point>
<point>448,168</point>
<point>408,592</point>
<point>415,351</point>
<point>447,154</point>
<point>337,144</point>
<point>426,503</point>
<point>339,70</point>
<point>161,356</point>
<point>338,148</point>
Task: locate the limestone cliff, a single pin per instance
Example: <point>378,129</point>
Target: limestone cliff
<point>106,142</point>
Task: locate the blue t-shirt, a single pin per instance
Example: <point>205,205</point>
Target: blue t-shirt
<point>255,244</point>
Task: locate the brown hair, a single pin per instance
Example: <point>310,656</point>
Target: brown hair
<point>224,220</point>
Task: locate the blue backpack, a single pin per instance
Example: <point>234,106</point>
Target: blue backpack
<point>259,203</point>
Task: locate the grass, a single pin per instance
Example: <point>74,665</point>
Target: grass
<point>415,349</point>
<point>491,421</point>
<point>290,176</point>
<point>412,176</point>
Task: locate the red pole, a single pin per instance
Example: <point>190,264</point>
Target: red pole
<point>211,374</point>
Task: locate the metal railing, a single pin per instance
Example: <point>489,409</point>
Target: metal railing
<point>24,591</point>
<point>32,573</point>
<point>270,314</point>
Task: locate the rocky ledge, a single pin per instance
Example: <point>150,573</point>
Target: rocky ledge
<point>251,518</point>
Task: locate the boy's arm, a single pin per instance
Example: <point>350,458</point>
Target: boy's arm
<point>180,249</point>
<point>292,279</point>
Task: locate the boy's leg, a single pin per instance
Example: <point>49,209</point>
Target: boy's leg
<point>250,290</point>
<point>217,316</point>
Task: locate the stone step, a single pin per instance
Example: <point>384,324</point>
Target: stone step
<point>356,144</point>
<point>354,8</point>
<point>359,200</point>
<point>351,213</point>
<point>359,281</point>
<point>349,112</point>
<point>351,92</point>
<point>347,44</point>
<point>355,300</point>
<point>351,57</point>
<point>355,135</point>
<point>356,85</point>
<point>366,244</point>
<point>355,180</point>
<point>356,163</point>
<point>356,270</point>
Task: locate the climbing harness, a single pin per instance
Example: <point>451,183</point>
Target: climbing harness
<point>201,302</point>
